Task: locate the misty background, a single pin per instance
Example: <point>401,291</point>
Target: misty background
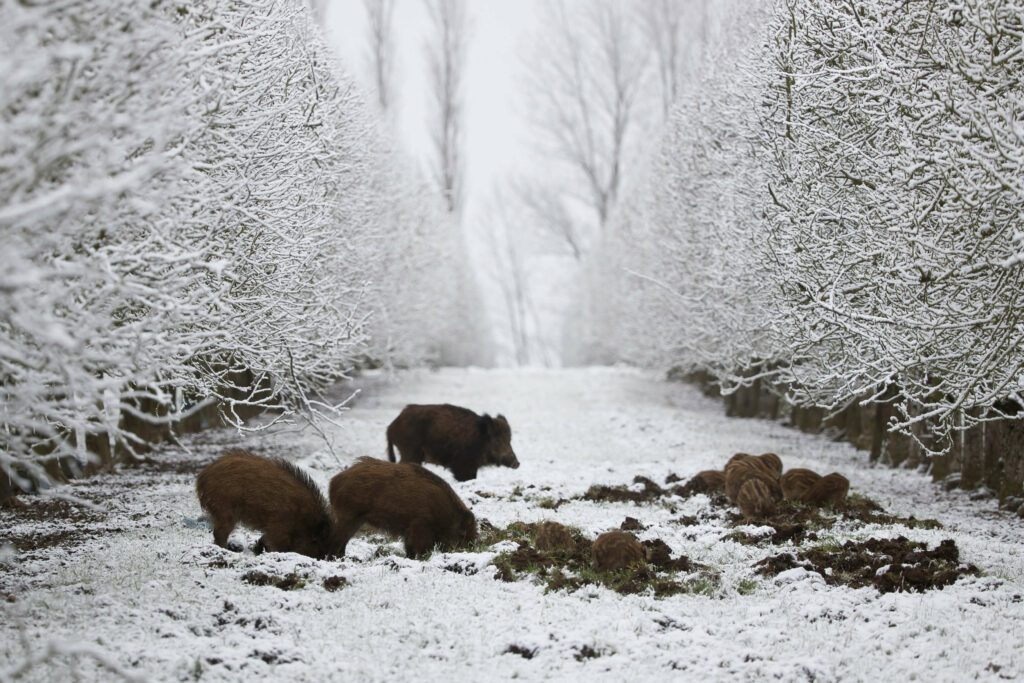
<point>529,215</point>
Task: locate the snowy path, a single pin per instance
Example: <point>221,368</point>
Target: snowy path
<point>144,583</point>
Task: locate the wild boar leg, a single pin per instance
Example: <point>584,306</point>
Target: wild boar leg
<point>464,472</point>
<point>345,528</point>
<point>222,528</point>
<point>419,539</point>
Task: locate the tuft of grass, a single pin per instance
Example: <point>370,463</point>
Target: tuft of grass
<point>746,586</point>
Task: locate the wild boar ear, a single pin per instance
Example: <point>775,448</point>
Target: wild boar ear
<point>487,424</point>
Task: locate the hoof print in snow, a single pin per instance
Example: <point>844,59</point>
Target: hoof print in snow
<point>274,658</point>
<point>335,583</point>
<point>524,652</point>
<point>888,565</point>
<point>586,652</point>
<point>288,582</point>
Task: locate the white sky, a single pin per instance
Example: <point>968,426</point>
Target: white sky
<point>495,128</point>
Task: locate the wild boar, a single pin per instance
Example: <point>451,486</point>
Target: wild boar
<point>757,497</point>
<point>773,461</point>
<point>453,437</point>
<point>554,537</point>
<point>403,499</point>
<point>268,495</point>
<point>829,490</point>
<point>706,481</point>
<point>614,550</point>
<point>797,481</point>
<point>740,469</point>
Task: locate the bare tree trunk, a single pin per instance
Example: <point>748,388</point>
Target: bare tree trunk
<point>381,47</point>
<point>446,55</point>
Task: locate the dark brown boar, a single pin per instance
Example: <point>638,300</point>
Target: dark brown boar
<point>614,550</point>
<point>453,437</point>
<point>829,490</point>
<point>403,499</point>
<point>757,497</point>
<point>797,481</point>
<point>271,496</point>
<point>740,469</point>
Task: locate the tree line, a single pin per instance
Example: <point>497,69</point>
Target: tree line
<point>835,207</point>
<point>198,208</point>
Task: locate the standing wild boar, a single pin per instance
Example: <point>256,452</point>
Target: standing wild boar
<point>403,499</point>
<point>614,550</point>
<point>797,481</point>
<point>829,490</point>
<point>271,496</point>
<point>453,437</point>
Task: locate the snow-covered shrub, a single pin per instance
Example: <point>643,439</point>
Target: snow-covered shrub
<point>93,186</point>
<point>838,203</point>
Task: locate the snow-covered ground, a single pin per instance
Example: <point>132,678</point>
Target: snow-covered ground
<point>139,582</point>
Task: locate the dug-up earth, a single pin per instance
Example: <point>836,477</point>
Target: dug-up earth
<point>906,582</point>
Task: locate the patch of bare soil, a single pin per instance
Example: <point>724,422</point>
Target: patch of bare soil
<point>69,522</point>
<point>886,564</point>
<point>571,569</point>
<point>288,582</point>
<point>601,493</point>
<point>797,523</point>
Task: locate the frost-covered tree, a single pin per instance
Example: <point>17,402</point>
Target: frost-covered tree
<point>679,281</point>
<point>194,203</point>
<point>897,201</point>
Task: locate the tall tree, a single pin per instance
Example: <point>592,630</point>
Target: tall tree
<point>380,15</point>
<point>446,57</point>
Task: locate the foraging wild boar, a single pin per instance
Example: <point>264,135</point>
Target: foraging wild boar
<point>773,461</point>
<point>554,537</point>
<point>614,550</point>
<point>797,481</point>
<point>268,495</point>
<point>707,481</point>
<point>740,469</point>
<point>453,437</point>
<point>757,497</point>
<point>403,499</point>
<point>829,490</point>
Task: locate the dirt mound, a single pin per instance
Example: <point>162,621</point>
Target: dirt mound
<point>573,569</point>
<point>888,565</point>
<point>797,523</point>
<point>624,494</point>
